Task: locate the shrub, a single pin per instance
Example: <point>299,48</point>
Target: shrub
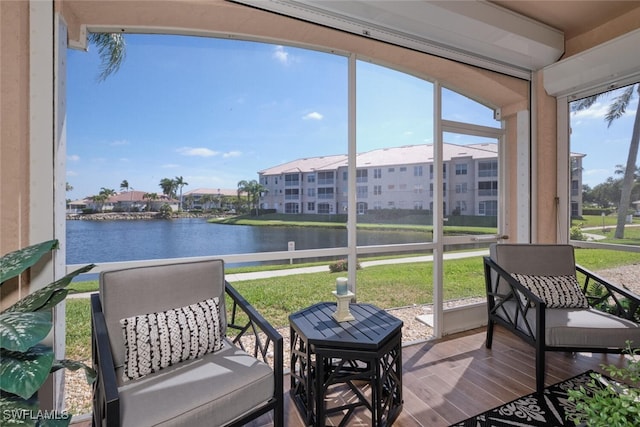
<point>341,265</point>
<point>576,233</point>
<point>610,404</point>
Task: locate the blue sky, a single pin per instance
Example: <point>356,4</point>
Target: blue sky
<point>217,111</point>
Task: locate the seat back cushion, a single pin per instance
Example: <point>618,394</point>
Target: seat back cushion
<point>153,289</point>
<point>533,260</point>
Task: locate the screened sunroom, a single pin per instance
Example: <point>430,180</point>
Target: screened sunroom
<point>463,118</point>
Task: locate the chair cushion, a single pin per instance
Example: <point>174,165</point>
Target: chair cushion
<point>588,328</point>
<point>212,390</point>
<point>555,291</point>
<point>157,340</point>
<point>133,291</point>
<point>568,327</point>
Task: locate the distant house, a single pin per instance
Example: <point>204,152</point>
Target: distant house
<point>129,201</point>
<point>209,198</point>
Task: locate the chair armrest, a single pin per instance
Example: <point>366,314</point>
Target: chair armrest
<point>106,401</point>
<point>263,336</point>
<point>496,277</point>
<point>513,284</point>
<point>626,304</point>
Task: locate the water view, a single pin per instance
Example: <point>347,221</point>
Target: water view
<point>110,241</point>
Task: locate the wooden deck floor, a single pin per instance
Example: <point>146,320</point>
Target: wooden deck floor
<point>448,380</point>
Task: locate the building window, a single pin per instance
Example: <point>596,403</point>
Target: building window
<point>417,171</point>
<point>461,206</point>
<point>291,208</point>
<point>311,192</point>
<point>377,205</point>
<point>391,205</point>
<point>377,190</point>
<point>575,188</point>
<point>461,169</point>
<point>325,193</point>
<point>361,175</point>
<point>291,194</point>
<point>461,188</point>
<point>325,178</point>
<point>488,188</point>
<point>402,186</point>
<point>324,208</point>
<point>403,169</point>
<point>311,206</point>
<point>377,173</point>
<point>418,189</point>
<point>444,171</point>
<point>489,168</point>
<point>391,187</point>
<point>488,208</point>
<point>292,180</point>
<point>345,175</point>
<point>362,191</point>
<point>311,178</point>
<point>417,205</point>
<point>391,170</point>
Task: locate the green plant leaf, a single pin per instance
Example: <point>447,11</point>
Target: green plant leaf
<point>74,365</point>
<point>16,411</point>
<point>48,296</point>
<point>14,263</point>
<point>21,331</point>
<point>24,373</point>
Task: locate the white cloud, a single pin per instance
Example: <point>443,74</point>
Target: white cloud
<point>313,116</point>
<point>232,154</point>
<point>73,158</point>
<point>72,173</point>
<point>198,152</point>
<point>119,142</point>
<point>282,55</point>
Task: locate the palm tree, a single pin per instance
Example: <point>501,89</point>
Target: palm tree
<point>242,188</point>
<point>168,187</point>
<point>617,110</point>
<point>112,51</point>
<point>253,189</point>
<point>124,186</point>
<point>150,197</point>
<point>179,183</point>
<point>206,200</point>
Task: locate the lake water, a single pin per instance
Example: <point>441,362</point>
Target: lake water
<point>108,241</point>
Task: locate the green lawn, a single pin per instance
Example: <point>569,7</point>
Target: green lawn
<point>387,286</point>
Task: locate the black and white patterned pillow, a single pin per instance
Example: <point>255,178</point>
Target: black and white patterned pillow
<point>555,291</point>
<point>157,340</point>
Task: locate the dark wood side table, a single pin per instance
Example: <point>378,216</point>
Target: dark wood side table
<point>326,354</point>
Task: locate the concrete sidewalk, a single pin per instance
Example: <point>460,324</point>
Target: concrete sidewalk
<point>325,268</point>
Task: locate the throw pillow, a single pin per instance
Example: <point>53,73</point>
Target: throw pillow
<point>157,340</point>
<point>555,291</point>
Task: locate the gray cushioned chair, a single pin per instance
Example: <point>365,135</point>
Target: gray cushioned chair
<point>228,387</point>
<point>609,320</point>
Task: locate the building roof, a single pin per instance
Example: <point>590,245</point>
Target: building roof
<point>212,191</point>
<point>308,164</point>
<point>391,156</point>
